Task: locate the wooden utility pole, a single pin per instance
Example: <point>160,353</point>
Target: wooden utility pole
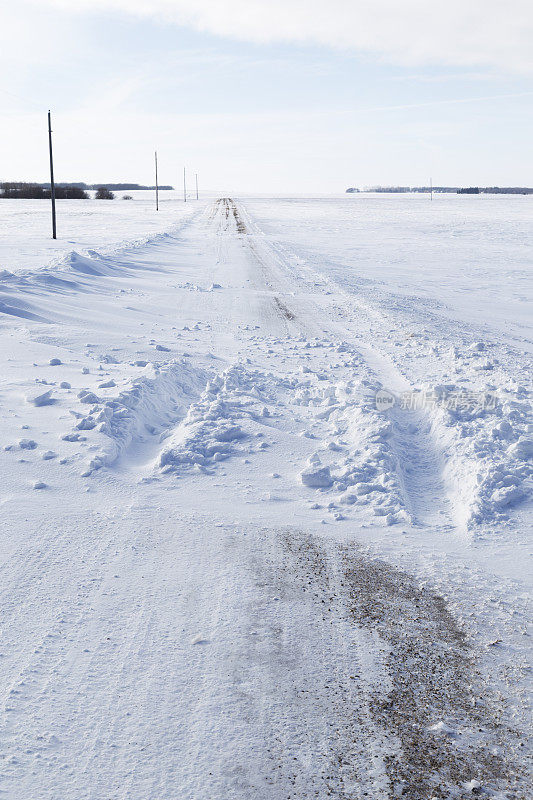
<point>184,186</point>
<point>52,184</point>
<point>156,185</point>
<point>196,176</point>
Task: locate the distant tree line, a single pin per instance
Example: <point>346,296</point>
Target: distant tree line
<point>130,187</point>
<point>36,191</point>
<point>115,187</point>
<point>507,190</point>
<point>65,191</point>
<point>448,189</point>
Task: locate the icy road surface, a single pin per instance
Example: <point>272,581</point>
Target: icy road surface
<point>265,505</point>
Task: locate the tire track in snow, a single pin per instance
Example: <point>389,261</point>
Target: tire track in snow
<point>420,458</point>
<point>274,281</point>
<point>418,452</point>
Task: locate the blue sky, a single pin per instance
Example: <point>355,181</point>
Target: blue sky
<point>269,97</point>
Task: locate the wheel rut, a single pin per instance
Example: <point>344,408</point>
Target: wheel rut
<point>418,453</point>
<point>389,663</point>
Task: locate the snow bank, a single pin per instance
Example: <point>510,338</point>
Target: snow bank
<point>147,407</point>
<point>83,223</point>
<point>489,451</point>
<point>221,423</point>
<point>367,471</point>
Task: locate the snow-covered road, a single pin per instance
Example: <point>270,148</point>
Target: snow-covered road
<point>264,524</point>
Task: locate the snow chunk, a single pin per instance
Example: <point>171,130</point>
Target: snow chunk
<point>503,430</point>
<point>507,496</point>
<point>442,729</point>
<point>27,444</point>
<point>71,437</point>
<point>86,396</point>
<point>86,424</point>
<point>317,477</point>
<point>48,454</point>
<point>522,449</point>
<point>367,488</point>
<point>231,433</point>
<point>348,498</point>
<point>40,398</point>
<point>472,786</point>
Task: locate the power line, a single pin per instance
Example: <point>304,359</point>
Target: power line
<point>24,100</point>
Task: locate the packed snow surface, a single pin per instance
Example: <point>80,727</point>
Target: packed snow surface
<point>266,498</point>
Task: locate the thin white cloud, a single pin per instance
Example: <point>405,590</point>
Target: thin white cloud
<point>453,32</point>
<point>451,102</point>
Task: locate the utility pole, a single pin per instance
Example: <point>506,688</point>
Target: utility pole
<point>184,186</point>
<point>52,184</point>
<point>196,176</point>
<point>156,185</point>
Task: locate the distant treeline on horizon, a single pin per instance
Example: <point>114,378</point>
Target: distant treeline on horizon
<point>114,187</point>
<point>64,191</point>
<point>450,189</point>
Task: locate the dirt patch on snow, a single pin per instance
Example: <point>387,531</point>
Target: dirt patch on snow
<point>286,312</point>
<point>241,227</point>
<point>444,730</point>
<point>446,722</point>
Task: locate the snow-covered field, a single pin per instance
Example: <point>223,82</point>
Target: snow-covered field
<point>266,467</point>
<point>25,233</point>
